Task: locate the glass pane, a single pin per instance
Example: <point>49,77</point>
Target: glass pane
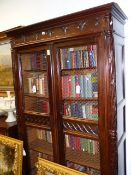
<point>79,91</point>
<point>83,86</point>
<point>79,57</point>
<point>36,104</point>
<point>35,81</point>
<point>40,144</point>
<point>34,61</point>
<point>83,154</point>
<point>81,110</point>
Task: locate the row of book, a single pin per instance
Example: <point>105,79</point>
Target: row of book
<point>84,86</point>
<point>44,135</point>
<point>84,169</point>
<point>36,84</point>
<point>83,144</point>
<point>79,57</point>
<point>75,143</point>
<point>36,105</point>
<point>81,110</point>
<point>34,61</point>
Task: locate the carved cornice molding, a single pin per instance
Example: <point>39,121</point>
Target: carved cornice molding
<point>84,26</point>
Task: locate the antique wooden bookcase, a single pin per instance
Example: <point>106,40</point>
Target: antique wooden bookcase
<point>69,87</point>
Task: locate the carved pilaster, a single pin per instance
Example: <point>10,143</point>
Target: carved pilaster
<point>112,106</point>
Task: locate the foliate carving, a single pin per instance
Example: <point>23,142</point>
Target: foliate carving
<point>81,27</point>
<point>97,21</point>
<point>50,33</point>
<point>65,29</point>
<point>107,33</point>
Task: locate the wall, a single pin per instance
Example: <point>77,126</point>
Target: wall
<point>16,12</point>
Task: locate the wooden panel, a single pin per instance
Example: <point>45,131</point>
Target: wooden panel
<point>120,122</point>
<point>122,159</point>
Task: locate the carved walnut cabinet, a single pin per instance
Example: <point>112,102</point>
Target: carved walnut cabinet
<point>69,87</point>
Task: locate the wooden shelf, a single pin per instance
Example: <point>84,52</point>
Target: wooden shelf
<point>41,146</point>
<point>83,158</point>
<point>80,120</point>
<point>35,70</point>
<point>78,70</point>
<point>81,134</point>
<point>75,99</point>
<point>36,95</point>
<point>36,113</point>
<point>35,125</point>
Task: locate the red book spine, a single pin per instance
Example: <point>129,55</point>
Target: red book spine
<point>78,147</point>
<point>70,86</point>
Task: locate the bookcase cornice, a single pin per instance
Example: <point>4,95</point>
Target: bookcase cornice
<point>103,9</point>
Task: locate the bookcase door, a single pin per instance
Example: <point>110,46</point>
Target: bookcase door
<point>35,81</point>
<point>36,102</point>
<point>79,105</point>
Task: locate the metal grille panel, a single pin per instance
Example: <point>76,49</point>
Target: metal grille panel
<point>35,104</point>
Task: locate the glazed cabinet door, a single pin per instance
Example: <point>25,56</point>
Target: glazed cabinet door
<point>77,71</point>
<point>35,107</point>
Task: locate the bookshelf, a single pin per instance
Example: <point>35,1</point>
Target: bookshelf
<point>69,88</point>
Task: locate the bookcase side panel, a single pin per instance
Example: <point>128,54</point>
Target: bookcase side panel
<point>121,105</point>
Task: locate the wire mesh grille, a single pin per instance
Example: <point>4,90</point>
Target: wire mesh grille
<point>35,83</point>
<point>82,86</point>
<point>79,57</point>
<point>40,144</point>
<point>35,134</point>
<point>34,158</point>
<point>35,104</point>
<point>81,168</point>
<point>82,110</point>
<point>82,154</point>
<point>79,90</point>
<point>34,61</point>
<point>82,144</point>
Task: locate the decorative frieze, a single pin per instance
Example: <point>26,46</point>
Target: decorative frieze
<point>81,27</point>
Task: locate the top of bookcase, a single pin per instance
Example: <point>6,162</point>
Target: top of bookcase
<point>112,8</point>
